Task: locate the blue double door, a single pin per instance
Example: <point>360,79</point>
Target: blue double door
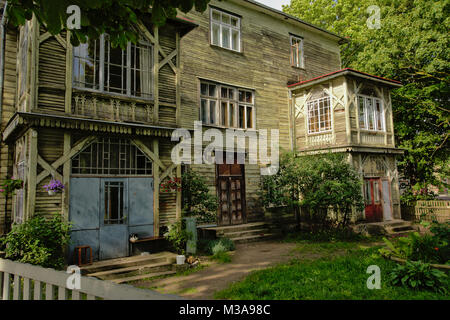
<point>105,211</point>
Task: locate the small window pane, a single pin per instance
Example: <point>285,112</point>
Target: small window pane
<point>241,116</point>
<point>216,15</point>
<point>249,117</point>
<point>204,111</point>
<point>212,112</point>
<point>235,40</point>
<point>204,89</point>
<point>215,37</point>
<point>225,18</point>
<point>234,22</point>
<point>223,114</point>
<point>212,90</point>
<point>231,116</point>
<point>225,37</point>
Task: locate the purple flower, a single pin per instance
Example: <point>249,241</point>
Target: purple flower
<point>54,185</point>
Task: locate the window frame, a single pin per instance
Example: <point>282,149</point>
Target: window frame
<point>317,102</point>
<point>229,103</point>
<point>300,57</point>
<point>365,115</point>
<point>221,25</point>
<point>103,75</point>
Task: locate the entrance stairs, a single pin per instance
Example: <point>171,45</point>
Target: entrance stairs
<point>392,228</point>
<point>243,233</point>
<point>122,270</point>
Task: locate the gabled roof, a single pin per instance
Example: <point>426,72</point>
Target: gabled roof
<point>346,71</point>
<point>286,16</point>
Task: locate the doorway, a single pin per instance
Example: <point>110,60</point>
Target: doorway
<point>231,192</point>
<point>372,199</point>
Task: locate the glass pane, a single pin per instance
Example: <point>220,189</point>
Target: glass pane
<point>224,92</point>
<point>362,115</point>
<point>235,40</point>
<point>248,97</point>
<point>215,34</point>
<point>86,65</point>
<point>231,94</point>
<point>216,15</point>
<point>370,114</point>
<point>225,37</point>
<point>379,115</point>
<point>115,65</point>
<point>231,114</point>
<point>212,112</point>
<point>223,114</point>
<point>234,22</point>
<point>113,202</point>
<point>141,71</point>
<point>225,18</point>
<point>204,89</point>
<point>241,116</point>
<point>249,117</point>
<point>204,111</point>
<point>212,90</point>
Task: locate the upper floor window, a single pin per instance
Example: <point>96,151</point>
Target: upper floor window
<point>296,52</point>
<point>371,113</point>
<point>98,66</point>
<point>319,115</point>
<point>225,30</point>
<point>226,106</point>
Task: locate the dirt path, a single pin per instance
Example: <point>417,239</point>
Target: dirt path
<point>204,283</point>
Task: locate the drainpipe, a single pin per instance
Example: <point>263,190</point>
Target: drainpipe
<point>2,66</point>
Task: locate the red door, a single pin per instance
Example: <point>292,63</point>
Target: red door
<point>372,198</point>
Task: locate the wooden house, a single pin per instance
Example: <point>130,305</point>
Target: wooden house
<point>100,119</point>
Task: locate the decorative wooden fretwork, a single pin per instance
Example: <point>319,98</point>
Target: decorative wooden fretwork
<point>111,109</point>
<point>320,139</point>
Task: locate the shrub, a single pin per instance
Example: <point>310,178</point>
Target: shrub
<point>222,257</point>
<point>208,246</point>
<point>39,241</point>
<point>218,248</point>
<point>419,275</point>
<point>178,236</point>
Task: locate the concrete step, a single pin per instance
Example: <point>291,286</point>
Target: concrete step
<point>132,271</point>
<point>241,227</point>
<point>143,276</point>
<point>243,233</point>
<point>254,238</point>
<point>132,261</point>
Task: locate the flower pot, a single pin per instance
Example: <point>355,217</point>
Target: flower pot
<point>51,192</point>
<point>181,259</point>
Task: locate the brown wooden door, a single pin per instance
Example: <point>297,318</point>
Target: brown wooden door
<point>231,191</point>
<point>372,198</point>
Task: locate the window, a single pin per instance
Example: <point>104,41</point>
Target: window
<point>225,30</point>
<point>98,66</point>
<point>296,52</point>
<point>114,202</point>
<point>109,156</point>
<point>371,113</point>
<point>319,115</point>
<point>226,106</point>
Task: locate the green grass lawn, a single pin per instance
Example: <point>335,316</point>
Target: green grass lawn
<point>338,273</point>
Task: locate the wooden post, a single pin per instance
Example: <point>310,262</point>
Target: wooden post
<point>31,181</point>
<point>178,79</point>
<point>179,204</point>
<point>156,169</point>
<point>66,177</point>
<point>69,66</point>
<point>348,128</point>
<point>156,75</point>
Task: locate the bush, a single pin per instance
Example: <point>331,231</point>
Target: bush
<point>211,247</point>
<point>222,257</point>
<point>419,275</point>
<point>178,236</point>
<point>39,241</point>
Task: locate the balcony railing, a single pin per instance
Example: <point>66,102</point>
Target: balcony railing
<point>112,108</point>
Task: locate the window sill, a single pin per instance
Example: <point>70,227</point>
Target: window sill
<point>107,95</point>
<point>298,68</point>
<point>320,133</point>
<point>214,46</point>
<point>223,127</point>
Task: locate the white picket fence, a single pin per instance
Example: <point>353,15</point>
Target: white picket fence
<point>20,281</point>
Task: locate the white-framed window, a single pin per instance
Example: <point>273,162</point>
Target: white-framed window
<point>371,113</point>
<point>319,115</point>
<point>100,67</point>
<point>296,52</point>
<point>226,106</point>
<point>225,30</point>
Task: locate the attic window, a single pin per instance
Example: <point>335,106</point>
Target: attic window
<point>296,52</point>
<point>225,30</point>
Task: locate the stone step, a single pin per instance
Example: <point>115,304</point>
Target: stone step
<point>143,276</point>
<point>254,238</point>
<point>402,228</point>
<point>243,233</point>
<point>132,261</point>
<point>132,271</point>
<point>241,227</point>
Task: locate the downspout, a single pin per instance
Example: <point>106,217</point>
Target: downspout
<point>2,66</point>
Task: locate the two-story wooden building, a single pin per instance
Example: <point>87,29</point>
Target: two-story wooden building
<point>100,119</point>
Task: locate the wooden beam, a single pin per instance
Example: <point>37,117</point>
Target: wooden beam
<point>48,167</point>
<point>156,51</point>
<point>66,177</point>
<point>178,79</point>
<point>156,169</point>
<point>152,155</point>
<point>178,199</point>
<point>168,59</point>
<point>69,67</point>
<point>168,172</point>
<point>31,179</point>
<point>66,157</point>
<point>347,113</point>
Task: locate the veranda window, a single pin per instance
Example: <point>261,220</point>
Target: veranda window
<point>319,115</point>
<point>371,113</point>
<point>226,106</point>
<point>225,30</point>
<point>100,67</point>
<point>296,52</point>
<point>110,156</point>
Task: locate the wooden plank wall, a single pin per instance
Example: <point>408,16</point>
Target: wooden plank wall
<point>8,109</point>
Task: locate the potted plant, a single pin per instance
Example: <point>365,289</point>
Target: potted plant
<point>178,236</point>
<point>54,186</point>
<point>9,185</point>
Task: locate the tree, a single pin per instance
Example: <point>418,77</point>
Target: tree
<point>319,185</point>
<point>411,45</point>
<point>115,17</point>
